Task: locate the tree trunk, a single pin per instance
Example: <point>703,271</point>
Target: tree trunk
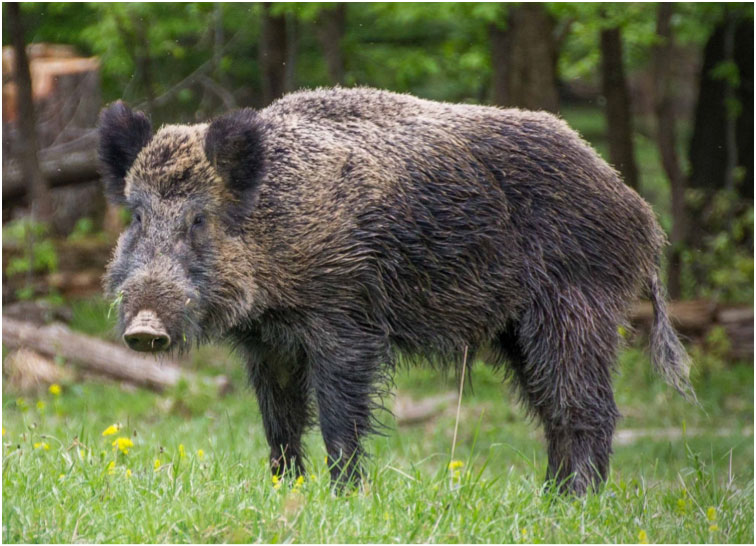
<point>618,113</point>
<point>666,140</point>
<point>531,59</point>
<point>39,193</point>
<point>498,38</point>
<point>273,54</point>
<point>330,29</point>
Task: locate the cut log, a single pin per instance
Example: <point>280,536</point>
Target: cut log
<point>101,357</point>
<point>695,319</point>
<point>689,317</point>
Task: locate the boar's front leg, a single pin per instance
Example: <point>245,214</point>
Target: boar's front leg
<point>347,377</point>
<point>282,387</point>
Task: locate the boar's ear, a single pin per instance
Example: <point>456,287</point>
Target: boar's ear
<point>123,133</point>
<point>234,147</point>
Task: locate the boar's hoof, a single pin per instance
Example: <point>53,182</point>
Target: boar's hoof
<point>146,333</point>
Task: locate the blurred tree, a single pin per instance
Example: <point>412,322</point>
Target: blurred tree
<point>526,53</point>
<point>721,148</point>
<point>39,193</point>
<point>273,53</point>
<point>666,136</point>
<point>330,28</point>
<point>618,112</point>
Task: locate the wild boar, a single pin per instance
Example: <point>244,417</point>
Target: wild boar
<point>339,229</point>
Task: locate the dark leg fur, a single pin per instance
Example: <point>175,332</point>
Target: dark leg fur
<point>282,387</point>
<point>561,356</point>
<point>347,378</point>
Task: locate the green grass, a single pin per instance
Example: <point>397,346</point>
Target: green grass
<point>695,488</point>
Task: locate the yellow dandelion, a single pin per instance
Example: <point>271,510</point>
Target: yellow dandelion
<point>201,453</point>
<point>111,467</point>
<point>40,405</point>
<point>157,464</point>
<point>61,476</point>
<point>642,537</point>
<point>182,452</point>
<point>112,429</point>
<point>300,480</point>
<point>313,477</point>
<point>711,513</point>
<point>456,465</point>
<point>714,527</point>
<point>524,532</point>
<point>42,445</point>
<point>82,453</point>
<point>128,473</point>
<point>55,389</point>
<point>276,482</point>
<point>123,443</point>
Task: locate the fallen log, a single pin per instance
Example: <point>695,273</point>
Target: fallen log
<point>98,356</point>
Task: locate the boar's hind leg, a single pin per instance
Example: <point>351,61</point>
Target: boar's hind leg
<point>562,355</point>
<point>282,390</point>
<point>347,376</point>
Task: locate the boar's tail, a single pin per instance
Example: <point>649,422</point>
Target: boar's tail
<point>668,355</point>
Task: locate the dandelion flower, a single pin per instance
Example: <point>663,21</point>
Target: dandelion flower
<point>55,389</point>
<point>157,464</point>
<point>713,527</point>
<point>112,429</point>
<point>524,532</point>
<point>42,445</point>
<point>642,537</point>
<point>182,452</point>
<point>456,465</point>
<point>111,467</point>
<point>61,476</point>
<point>128,473</point>
<point>711,513</point>
<point>201,454</point>
<point>40,405</point>
<point>300,480</point>
<point>123,443</point>
<point>276,482</point>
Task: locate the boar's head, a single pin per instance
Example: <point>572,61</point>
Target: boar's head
<point>181,272</point>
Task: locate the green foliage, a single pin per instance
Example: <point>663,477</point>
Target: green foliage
<point>37,252</point>
<point>722,266</point>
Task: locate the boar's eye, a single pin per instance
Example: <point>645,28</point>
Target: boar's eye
<point>198,221</point>
<point>137,216</point>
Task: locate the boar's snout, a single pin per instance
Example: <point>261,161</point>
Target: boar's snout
<point>147,333</point>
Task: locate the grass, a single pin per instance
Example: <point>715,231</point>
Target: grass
<point>64,482</point>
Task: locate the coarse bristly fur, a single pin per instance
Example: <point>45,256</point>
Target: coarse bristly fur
<point>339,228</point>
